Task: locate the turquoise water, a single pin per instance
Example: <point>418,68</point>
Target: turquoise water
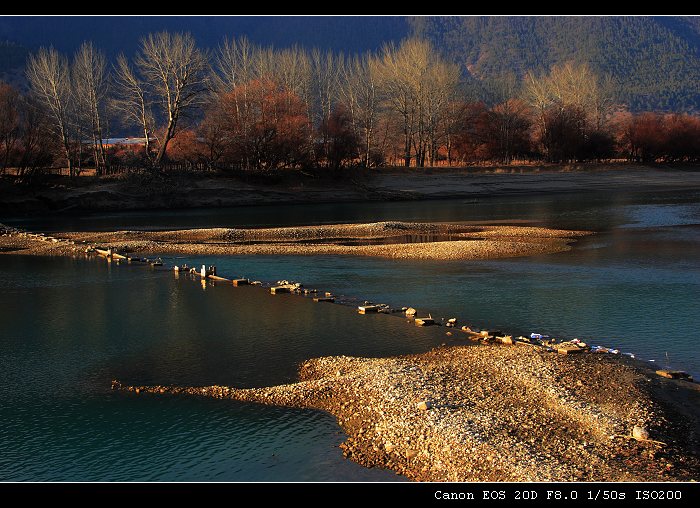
<point>609,291</point>
<point>70,326</point>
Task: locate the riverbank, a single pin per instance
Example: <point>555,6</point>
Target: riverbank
<point>488,412</point>
<point>59,195</point>
<point>397,240</point>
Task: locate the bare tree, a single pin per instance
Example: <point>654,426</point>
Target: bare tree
<point>324,83</point>
<point>417,85</point>
<point>213,134</point>
<point>510,124</point>
<point>293,70</point>
<point>567,87</point>
<point>9,123</point>
<point>132,101</point>
<point>325,69</point>
<point>398,73</point>
<point>604,100</point>
<point>439,89</point>
<point>49,77</point>
<point>359,91</point>
<point>265,63</point>
<point>175,71</point>
<point>37,143</point>
<point>234,64</point>
<point>570,85</point>
<point>91,94</point>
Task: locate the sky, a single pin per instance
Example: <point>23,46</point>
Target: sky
<point>122,34</point>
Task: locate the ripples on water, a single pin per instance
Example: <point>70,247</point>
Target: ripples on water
<point>71,326</point>
<point>161,439</point>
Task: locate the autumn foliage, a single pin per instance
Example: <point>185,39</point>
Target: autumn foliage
<point>500,134</point>
<point>651,136</point>
<point>249,108</point>
<point>262,126</point>
<point>27,144</point>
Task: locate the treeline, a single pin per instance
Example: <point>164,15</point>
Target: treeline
<point>255,108</point>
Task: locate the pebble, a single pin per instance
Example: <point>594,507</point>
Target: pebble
<point>498,414</point>
<point>483,393</point>
<point>483,241</point>
<point>640,433</point>
<point>424,405</point>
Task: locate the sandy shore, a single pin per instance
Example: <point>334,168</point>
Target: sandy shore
<point>495,413</point>
<point>464,241</point>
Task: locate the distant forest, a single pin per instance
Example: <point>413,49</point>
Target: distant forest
<point>654,61</point>
<point>252,107</point>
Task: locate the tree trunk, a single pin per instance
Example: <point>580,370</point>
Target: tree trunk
<point>407,146</point>
<point>96,155</point>
<point>368,138</point>
<point>66,152</point>
<point>164,145</point>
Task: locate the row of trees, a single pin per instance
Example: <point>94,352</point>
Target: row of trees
<point>257,108</point>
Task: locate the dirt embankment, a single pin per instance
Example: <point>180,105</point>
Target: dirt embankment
<point>170,191</point>
<point>494,413</point>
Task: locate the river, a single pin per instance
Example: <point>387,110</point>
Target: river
<point>72,325</point>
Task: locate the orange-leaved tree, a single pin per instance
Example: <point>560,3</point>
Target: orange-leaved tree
<point>266,126</point>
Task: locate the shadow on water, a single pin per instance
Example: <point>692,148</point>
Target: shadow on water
<point>597,211</point>
<point>71,326</point>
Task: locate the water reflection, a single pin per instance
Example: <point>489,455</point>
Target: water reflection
<point>598,211</point>
<point>70,325</point>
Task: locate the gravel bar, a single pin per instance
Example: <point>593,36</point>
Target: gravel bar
<point>489,412</point>
<point>466,241</point>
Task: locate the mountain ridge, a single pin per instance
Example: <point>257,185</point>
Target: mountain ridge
<point>655,61</point>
